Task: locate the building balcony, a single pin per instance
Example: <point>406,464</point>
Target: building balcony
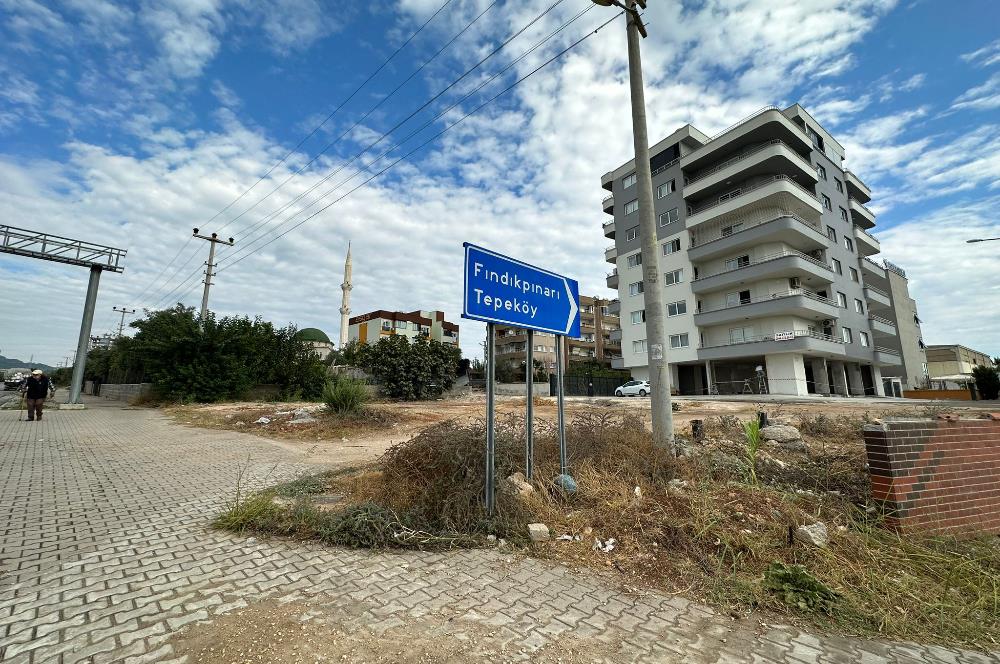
<point>792,341</point>
<point>768,158</point>
<point>887,356</point>
<point>856,188</point>
<point>871,268</point>
<point>614,307</point>
<point>861,215</point>
<point>881,325</point>
<point>716,239</point>
<point>611,254</point>
<point>777,191</point>
<point>767,124</point>
<point>877,298</point>
<point>783,264</point>
<point>615,335</point>
<point>867,244</point>
<point>609,229</point>
<point>799,303</point>
<point>608,205</point>
<point>613,279</point>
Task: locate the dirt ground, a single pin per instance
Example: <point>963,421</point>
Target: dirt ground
<point>308,633</point>
<point>330,441</point>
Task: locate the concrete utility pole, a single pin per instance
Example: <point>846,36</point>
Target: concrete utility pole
<point>656,338</point>
<point>213,240</point>
<point>121,323</point>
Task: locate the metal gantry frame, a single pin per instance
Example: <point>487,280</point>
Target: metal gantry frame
<point>96,257</point>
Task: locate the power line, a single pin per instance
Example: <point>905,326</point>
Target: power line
<point>332,113</point>
<point>367,113</point>
<point>399,124</point>
<point>430,140</point>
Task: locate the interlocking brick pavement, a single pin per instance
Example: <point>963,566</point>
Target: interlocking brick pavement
<point>105,553</point>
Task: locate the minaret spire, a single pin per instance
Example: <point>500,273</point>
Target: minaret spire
<point>345,306</point>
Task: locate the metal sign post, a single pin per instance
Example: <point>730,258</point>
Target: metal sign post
<point>500,289</point>
<point>560,412</point>
<point>529,413</point>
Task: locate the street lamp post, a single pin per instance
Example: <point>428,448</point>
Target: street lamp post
<point>659,370</point>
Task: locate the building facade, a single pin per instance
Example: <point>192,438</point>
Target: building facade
<point>367,328</point>
<point>912,373</point>
<point>767,261</point>
<point>950,367</point>
<point>317,339</point>
<point>600,339</point>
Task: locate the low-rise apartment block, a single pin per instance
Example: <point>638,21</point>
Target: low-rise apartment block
<point>600,338</point>
<point>950,366</point>
<point>767,256</point>
<point>367,328</point>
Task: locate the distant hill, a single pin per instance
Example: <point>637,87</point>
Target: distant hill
<point>14,363</point>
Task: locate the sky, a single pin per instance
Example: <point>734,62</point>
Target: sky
<point>129,124</point>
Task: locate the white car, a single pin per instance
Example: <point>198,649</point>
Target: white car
<point>633,388</point>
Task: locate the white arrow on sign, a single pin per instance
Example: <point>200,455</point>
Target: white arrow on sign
<point>572,306</point>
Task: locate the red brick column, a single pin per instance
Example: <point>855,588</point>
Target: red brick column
<point>940,476</point>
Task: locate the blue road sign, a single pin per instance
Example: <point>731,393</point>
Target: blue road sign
<point>499,289</point>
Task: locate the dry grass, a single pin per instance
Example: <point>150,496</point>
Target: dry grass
<point>710,534</point>
<point>328,425</point>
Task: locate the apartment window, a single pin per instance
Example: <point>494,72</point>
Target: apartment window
<point>839,185</point>
<point>863,337</point>
<point>632,233</point>
<point>845,334</point>
<point>859,306</point>
<point>628,180</point>
<point>831,233</point>
<point>638,317</point>
<point>732,228</point>
<point>849,244</point>
<point>674,277</point>
<point>639,346</point>
<point>679,340</point>
<point>854,274</point>
<point>738,335</point>
<point>665,188</point>
<point>677,308</point>
<point>837,267</point>
<point>604,311</point>
<point>669,217</point>
<point>400,324</point>
<point>821,172</point>
<point>826,203</point>
<point>842,300</point>
<point>736,299</point>
<point>843,214</point>
<point>738,262</point>
<point>631,206</point>
<point>634,260</point>
<point>635,288</point>
<point>386,325</point>
<point>672,247</point>
<point>540,349</point>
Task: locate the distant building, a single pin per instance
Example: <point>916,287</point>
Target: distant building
<point>367,328</point>
<point>102,342</point>
<point>320,343</point>
<point>600,338</point>
<point>908,344</point>
<point>950,367</point>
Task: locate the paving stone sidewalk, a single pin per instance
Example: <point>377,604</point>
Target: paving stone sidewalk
<point>105,554</point>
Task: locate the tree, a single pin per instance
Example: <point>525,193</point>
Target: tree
<point>422,369</point>
<point>987,381</point>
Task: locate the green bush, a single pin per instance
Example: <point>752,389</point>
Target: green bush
<point>798,588</point>
<point>987,382</point>
<point>345,396</point>
<point>421,369</point>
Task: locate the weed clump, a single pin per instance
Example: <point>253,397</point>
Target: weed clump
<point>344,395</point>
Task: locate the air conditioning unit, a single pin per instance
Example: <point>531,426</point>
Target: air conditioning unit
<point>826,323</point>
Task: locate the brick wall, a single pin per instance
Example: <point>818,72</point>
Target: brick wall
<point>940,475</point>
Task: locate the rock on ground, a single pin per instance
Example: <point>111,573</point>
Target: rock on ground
<point>516,485</point>
<point>782,433</point>
<point>815,534</point>
<point>538,532</point>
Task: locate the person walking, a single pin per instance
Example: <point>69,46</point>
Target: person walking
<point>36,389</point>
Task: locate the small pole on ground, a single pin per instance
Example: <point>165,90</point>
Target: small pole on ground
<point>529,381</point>
<point>490,441</point>
<point>561,415</point>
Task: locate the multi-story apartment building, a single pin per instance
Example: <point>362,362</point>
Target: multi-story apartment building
<point>902,311</point>
<point>951,366</point>
<point>367,328</point>
<point>600,338</point>
<point>765,252</point>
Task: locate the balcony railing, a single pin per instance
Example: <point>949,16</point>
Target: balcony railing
<point>879,319</point>
<point>770,337</point>
<point>767,259</point>
<point>858,228</point>
<point>742,122</point>
<point>893,268</point>
<point>665,166</point>
<point>771,297</point>
<point>855,176</point>
<point>863,207</point>
<point>732,160</point>
<point>743,191</point>
<point>697,241</point>
<point>878,290</point>
<point>891,351</point>
<point>868,260</point>
<point>607,224</point>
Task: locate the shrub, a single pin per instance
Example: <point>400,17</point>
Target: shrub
<point>987,382</point>
<point>345,395</point>
<point>421,369</point>
<point>751,431</point>
<point>798,588</point>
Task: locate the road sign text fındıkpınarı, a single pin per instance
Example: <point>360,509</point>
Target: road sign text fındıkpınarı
<point>515,282</point>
